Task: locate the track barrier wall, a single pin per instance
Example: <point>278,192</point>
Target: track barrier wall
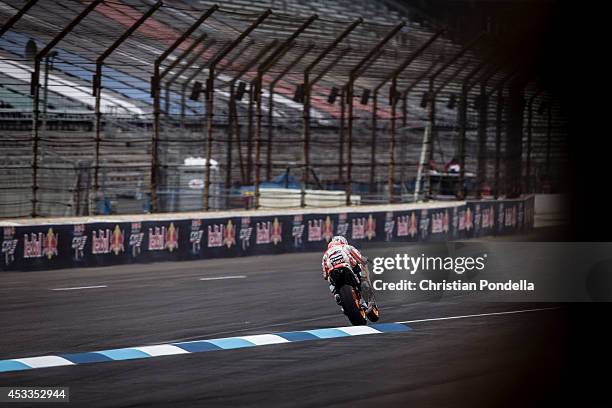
<point>53,246</point>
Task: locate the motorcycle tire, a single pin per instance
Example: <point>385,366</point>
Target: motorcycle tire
<point>350,304</point>
<point>374,314</point>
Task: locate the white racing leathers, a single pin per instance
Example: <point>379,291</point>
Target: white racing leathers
<point>338,256</point>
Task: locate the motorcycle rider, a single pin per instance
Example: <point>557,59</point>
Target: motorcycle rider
<point>340,254</point>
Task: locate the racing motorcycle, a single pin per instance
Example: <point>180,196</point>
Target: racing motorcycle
<point>348,294</point>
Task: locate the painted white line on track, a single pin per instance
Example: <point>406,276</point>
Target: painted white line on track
<point>82,287</point>
<point>435,319</point>
<point>224,277</point>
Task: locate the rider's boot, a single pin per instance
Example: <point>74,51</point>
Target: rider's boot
<point>367,293</point>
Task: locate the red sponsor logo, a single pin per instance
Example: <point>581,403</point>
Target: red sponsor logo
<point>162,238</point>
<point>39,245</point>
<point>315,230</point>
<point>439,222</point>
<point>328,229</point>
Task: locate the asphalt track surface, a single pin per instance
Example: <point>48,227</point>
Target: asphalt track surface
<point>518,359</point>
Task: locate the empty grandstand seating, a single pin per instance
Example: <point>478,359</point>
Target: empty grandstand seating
<point>67,129</point>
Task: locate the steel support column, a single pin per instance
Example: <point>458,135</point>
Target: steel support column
<point>341,135</point>
<point>155,91</point>
<point>483,119</point>
<point>373,139</point>
<point>403,144</point>
<point>466,86</point>
<point>191,77</point>
<point>393,100</point>
<point>97,89</point>
<point>483,123</point>
<point>35,91</point>
<point>307,87</point>
<point>406,92</point>
<point>200,40</point>
<point>432,92</point>
<point>273,83</point>
<point>528,183</point>
<point>514,138</point>
<point>548,139</point>
<point>233,125</point>
<point>210,92</point>
<point>246,179</point>
<point>499,89</point>
<point>249,135</point>
<point>498,131</point>
<point>17,16</point>
<point>354,74</point>
<point>431,132</point>
<point>258,84</point>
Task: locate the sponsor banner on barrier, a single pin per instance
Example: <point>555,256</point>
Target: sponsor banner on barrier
<point>401,226</point>
<point>482,217</point>
<point>110,243</point>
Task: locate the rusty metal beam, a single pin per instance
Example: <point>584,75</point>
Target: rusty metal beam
<point>328,67</point>
<point>157,76</point>
<point>466,86</point>
<point>234,128</point>
<point>353,75</point>
<point>457,55</point>
<point>333,45</point>
<point>262,68</point>
<point>35,91</point>
<point>432,93</point>
<point>498,130</point>
<point>307,89</point>
<point>341,135</point>
<point>210,92</point>
<point>155,92</point>
<point>422,76</point>
<point>17,16</point>
<point>548,139</point>
<point>504,79</point>
<point>245,170</point>
<point>529,139</point>
<point>483,120</point>
<point>273,83</point>
<point>450,78</point>
<point>499,89</point>
<point>430,131</point>
<point>192,76</point>
<point>168,84</point>
<point>206,45</point>
<point>184,54</point>
<point>97,88</point>
<point>393,100</point>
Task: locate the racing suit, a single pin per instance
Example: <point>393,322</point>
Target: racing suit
<point>337,256</point>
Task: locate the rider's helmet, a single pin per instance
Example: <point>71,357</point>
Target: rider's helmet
<point>337,240</point>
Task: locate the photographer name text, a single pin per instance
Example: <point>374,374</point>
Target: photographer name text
<point>448,264</point>
<point>456,285</point>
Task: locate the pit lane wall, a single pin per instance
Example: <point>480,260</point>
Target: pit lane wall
<point>72,244</point>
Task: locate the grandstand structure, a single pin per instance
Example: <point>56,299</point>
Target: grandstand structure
<point>130,106</point>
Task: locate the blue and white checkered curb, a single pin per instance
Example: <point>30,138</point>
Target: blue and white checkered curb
<point>197,346</point>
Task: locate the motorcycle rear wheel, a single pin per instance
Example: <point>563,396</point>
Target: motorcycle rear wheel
<point>374,314</point>
<point>350,304</point>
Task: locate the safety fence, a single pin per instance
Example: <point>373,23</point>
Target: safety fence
<point>120,107</point>
<point>113,242</point>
